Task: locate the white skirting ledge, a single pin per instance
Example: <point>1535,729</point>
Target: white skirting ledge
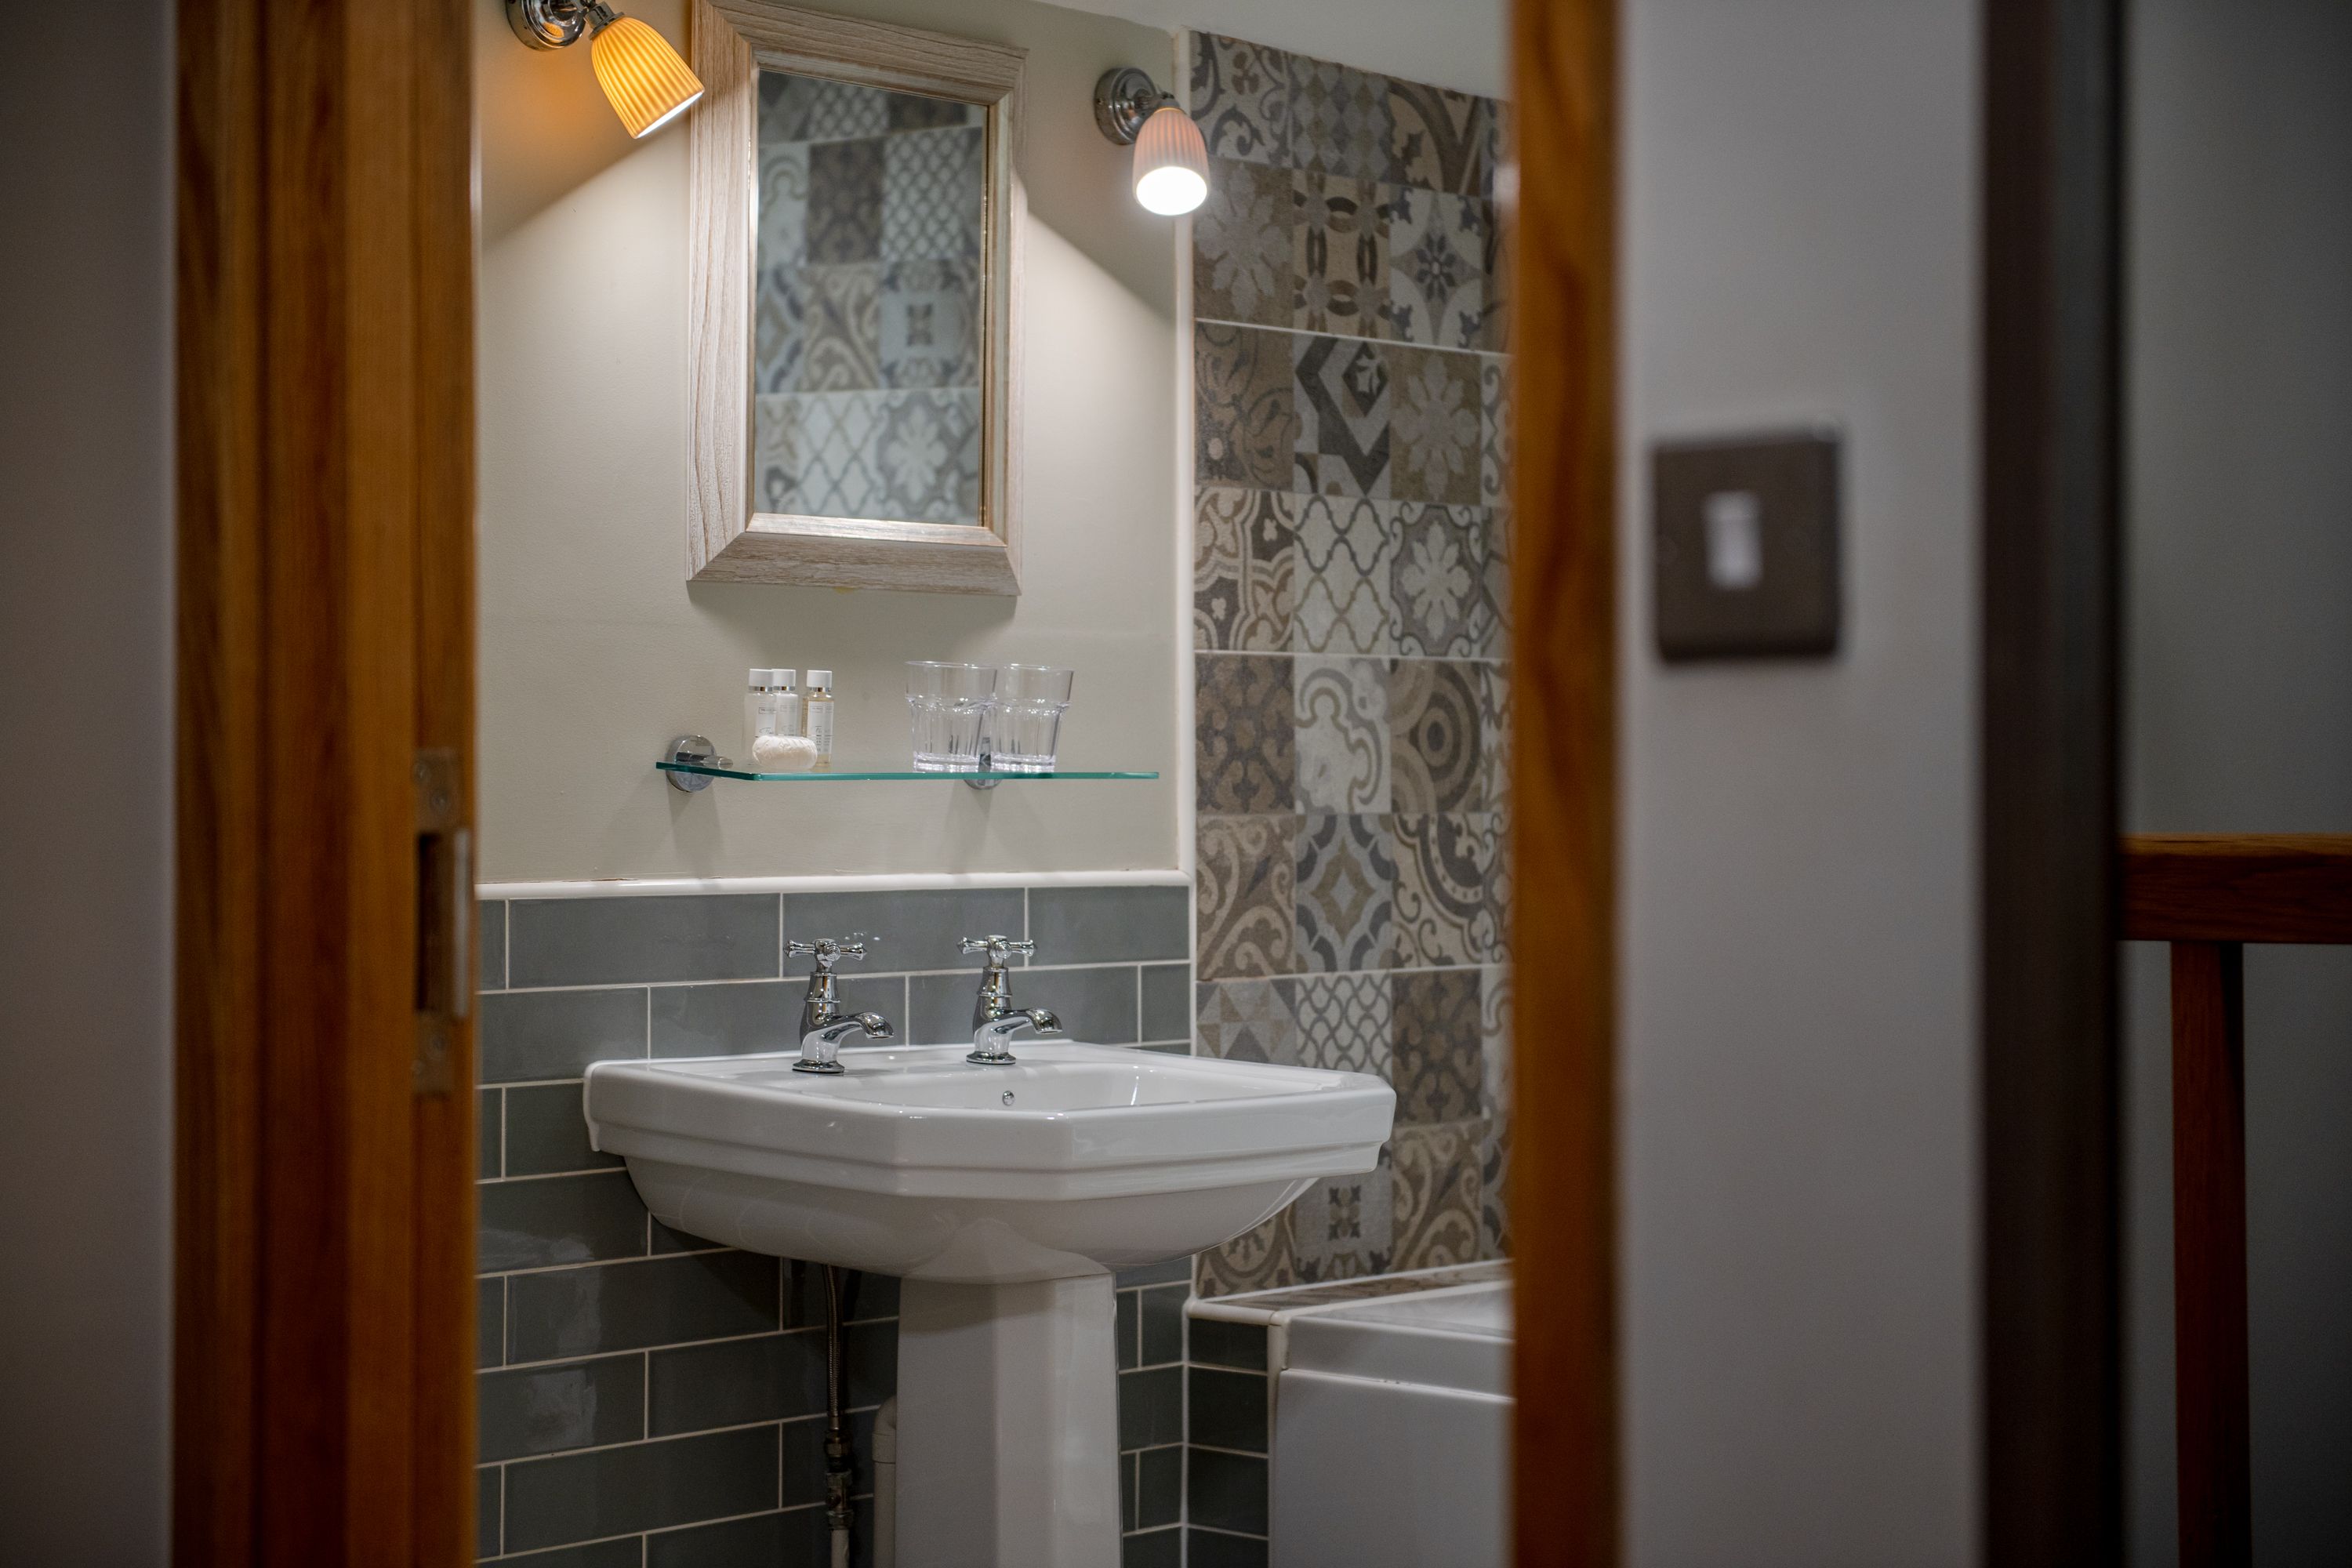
<point>878,882</point>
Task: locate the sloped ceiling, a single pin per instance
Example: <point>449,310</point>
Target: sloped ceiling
<point>1448,43</point>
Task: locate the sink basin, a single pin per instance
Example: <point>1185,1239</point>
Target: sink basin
<point>1004,1197</point>
<point>1079,1160</point>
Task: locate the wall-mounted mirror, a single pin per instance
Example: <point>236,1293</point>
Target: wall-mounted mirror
<point>854,211</point>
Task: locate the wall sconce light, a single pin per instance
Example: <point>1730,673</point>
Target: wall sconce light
<point>1172,162</point>
<point>648,84</point>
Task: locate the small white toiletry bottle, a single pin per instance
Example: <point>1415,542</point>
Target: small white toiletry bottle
<point>755,701</point>
<point>819,703</point>
<point>772,702</point>
<point>788,721</point>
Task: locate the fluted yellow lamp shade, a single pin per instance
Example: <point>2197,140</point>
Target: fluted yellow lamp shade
<point>1172,163</point>
<point>648,84</point>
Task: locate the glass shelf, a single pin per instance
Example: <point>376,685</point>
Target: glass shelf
<point>852,775</point>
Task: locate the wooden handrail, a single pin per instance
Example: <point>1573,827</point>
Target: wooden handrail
<point>2237,887</point>
<point>2209,894</point>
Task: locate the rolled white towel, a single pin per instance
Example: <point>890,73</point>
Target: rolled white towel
<point>784,754</point>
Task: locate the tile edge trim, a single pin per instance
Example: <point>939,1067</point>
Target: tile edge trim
<point>858,882</point>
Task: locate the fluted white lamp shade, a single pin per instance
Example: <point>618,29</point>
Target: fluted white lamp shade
<point>648,84</point>
<point>1172,163</point>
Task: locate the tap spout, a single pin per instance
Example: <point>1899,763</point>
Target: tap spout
<point>988,1039</point>
<point>820,1046</point>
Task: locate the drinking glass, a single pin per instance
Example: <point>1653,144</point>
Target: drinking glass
<point>949,705</point>
<point>1026,730</point>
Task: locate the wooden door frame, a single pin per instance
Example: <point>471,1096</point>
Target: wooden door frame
<point>323,1205</point>
<point>2051,1146</point>
<point>1564,588</point>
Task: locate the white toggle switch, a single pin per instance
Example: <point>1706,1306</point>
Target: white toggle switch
<point>1735,540</point>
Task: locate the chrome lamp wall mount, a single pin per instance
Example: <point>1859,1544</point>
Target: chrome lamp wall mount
<point>1171,161</point>
<point>648,85</point>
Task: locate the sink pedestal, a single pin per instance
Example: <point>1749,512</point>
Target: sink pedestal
<point>1008,1426</point>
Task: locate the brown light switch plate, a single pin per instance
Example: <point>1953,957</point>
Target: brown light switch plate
<point>1744,547</point>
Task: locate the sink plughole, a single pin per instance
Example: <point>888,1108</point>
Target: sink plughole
<point>1080,1159</point>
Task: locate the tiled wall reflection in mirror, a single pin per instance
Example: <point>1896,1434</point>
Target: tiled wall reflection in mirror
<point>866,306</point>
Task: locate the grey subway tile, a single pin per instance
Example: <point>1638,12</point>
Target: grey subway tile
<point>864,1297</point>
<point>1215,1342</point>
<point>736,1381</point>
<point>871,1353</point>
<point>1163,1324</point>
<point>1167,1273</point>
<point>753,1016</point>
<point>560,1219</point>
<point>1159,1488</point>
<point>912,930</point>
<point>1124,1311</point>
<point>1214,1549</point>
<point>486,1114</point>
<point>546,1409</point>
<point>1168,1002</point>
<point>794,1540</point>
<point>939,1008</point>
<point>726,1020</point>
<point>1160,1549</point>
<point>629,1306</point>
<point>803,1461</point>
<point>546,1133</point>
<point>1110,925</point>
<point>1150,1407</point>
<point>1225,1491</point>
<point>486,1511</point>
<point>667,1240</point>
<point>1126,1492</point>
<point>641,1486</point>
<point>1225,1409</point>
<point>490,945</point>
<point>489,1321</point>
<point>1096,1006</point>
<point>556,1034</point>
<point>617,941</point>
<point>622,1553</point>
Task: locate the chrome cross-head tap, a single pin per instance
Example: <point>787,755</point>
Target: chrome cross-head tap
<point>988,1048</point>
<point>823,1025</point>
<point>994,1018</point>
<point>820,1048</point>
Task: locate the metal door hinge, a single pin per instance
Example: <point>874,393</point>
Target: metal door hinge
<point>444,921</point>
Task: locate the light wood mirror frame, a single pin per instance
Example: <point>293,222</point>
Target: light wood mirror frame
<point>733,41</point>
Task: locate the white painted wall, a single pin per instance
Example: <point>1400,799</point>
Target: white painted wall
<point>595,650</point>
<point>1798,1097</point>
<point>85,850</point>
<point>2240,679</point>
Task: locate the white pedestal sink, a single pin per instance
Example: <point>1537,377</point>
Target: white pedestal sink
<point>1004,1197</point>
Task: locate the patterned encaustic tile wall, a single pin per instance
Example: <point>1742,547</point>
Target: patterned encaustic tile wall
<point>1350,587</point>
<point>866,360</point>
<point>650,1400</point>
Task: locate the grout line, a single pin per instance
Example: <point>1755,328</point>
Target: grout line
<point>1345,656</point>
<point>861,882</point>
<point>650,986</point>
<point>669,1345</point>
<point>1354,337</point>
<point>776,1423</point>
<point>551,1176</point>
<point>640,1537</point>
<point>1234,1453</point>
<point>605,1262</point>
